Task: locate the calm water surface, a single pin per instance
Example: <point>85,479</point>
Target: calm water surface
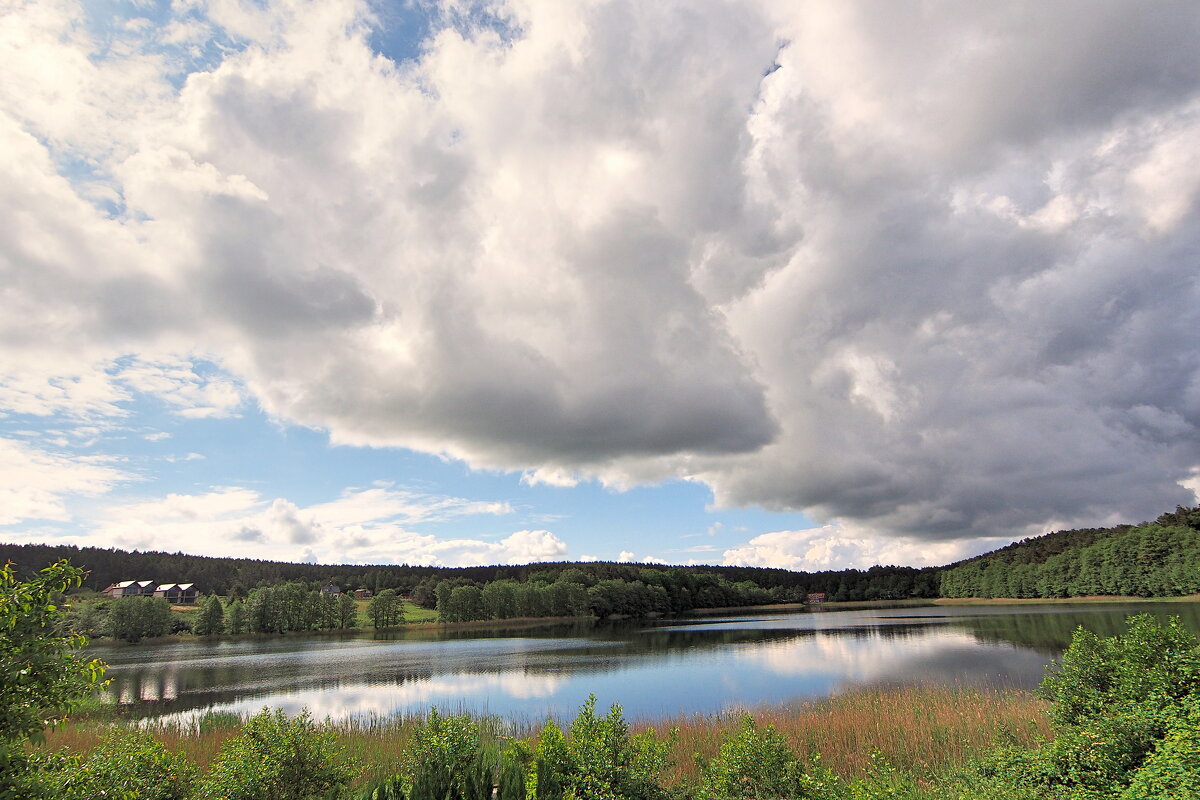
<point>655,668</point>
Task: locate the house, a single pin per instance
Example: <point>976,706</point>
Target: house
<point>331,588</point>
<point>362,594</point>
<point>814,597</point>
<point>129,589</point>
<point>177,594</point>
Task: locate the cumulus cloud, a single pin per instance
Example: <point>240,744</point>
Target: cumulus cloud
<point>928,271</point>
<point>37,484</point>
<point>834,547</point>
<point>377,526</point>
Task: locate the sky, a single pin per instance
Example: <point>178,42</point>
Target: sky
<point>809,285</point>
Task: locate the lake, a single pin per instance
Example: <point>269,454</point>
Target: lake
<point>653,668</point>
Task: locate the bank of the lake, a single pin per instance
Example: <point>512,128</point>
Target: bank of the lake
<point>924,731</point>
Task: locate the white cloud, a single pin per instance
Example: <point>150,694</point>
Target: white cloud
<point>949,312</point>
<point>834,547</point>
<point>361,526</point>
<point>40,484</point>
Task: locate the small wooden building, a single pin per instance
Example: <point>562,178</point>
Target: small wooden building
<point>362,594</point>
<point>813,598</point>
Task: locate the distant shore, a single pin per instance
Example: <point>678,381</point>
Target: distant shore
<point>1097,598</point>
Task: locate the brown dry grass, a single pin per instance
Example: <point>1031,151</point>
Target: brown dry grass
<point>918,730</point>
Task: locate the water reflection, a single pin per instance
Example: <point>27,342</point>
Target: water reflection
<point>653,669</point>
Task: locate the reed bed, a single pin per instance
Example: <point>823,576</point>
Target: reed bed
<point>921,731</point>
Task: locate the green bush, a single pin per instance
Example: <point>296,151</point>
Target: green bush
<point>600,760</point>
<point>754,763</point>
<point>1124,721</point>
<point>447,760</point>
<point>276,758</point>
<point>42,676</point>
<point>128,764</point>
<point>1173,770</point>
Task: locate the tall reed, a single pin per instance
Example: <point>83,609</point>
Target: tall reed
<point>921,731</point>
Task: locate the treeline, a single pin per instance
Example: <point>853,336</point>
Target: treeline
<point>1158,559</point>
<point>268,609</point>
<point>575,593</point>
<point>225,576</point>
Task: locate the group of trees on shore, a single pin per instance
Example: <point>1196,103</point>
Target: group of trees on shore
<point>575,593</point>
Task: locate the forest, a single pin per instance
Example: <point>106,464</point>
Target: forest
<point>1153,559</point>
<point>706,586</point>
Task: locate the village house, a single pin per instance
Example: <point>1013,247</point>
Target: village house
<point>180,594</point>
<point>362,594</point>
<point>177,594</point>
<point>129,589</point>
<point>331,588</point>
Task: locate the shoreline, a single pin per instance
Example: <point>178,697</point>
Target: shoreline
<point>1086,599</point>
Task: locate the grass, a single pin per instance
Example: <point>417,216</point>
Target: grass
<point>921,731</point>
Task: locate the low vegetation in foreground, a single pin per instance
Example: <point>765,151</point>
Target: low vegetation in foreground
<point>1123,713</point>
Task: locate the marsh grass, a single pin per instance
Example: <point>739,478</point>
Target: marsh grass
<point>920,731</point>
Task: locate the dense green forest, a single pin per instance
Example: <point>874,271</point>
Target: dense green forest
<point>1154,559</point>
<point>706,586</point>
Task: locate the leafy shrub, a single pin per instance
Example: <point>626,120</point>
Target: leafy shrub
<point>1173,770</point>
<point>754,763</point>
<point>126,764</point>
<point>1123,718</point>
<point>276,758</point>
<point>42,676</point>
<point>600,760</point>
<point>447,760</point>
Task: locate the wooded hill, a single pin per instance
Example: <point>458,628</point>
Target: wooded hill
<point>1153,559</point>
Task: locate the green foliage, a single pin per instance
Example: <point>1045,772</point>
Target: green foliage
<point>386,609</point>
<point>347,612</point>
<point>1173,769</point>
<point>43,678</point>
<point>387,789</point>
<point>447,760</point>
<point>210,619</point>
<point>128,764</point>
<point>600,760</point>
<point>137,618</point>
<point>754,763</point>
<point>1156,559</point>
<point>276,758</point>
<point>235,617</point>
<point>1125,720</point>
<point>1153,667</point>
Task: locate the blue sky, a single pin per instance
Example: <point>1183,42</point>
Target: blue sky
<point>457,283</point>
